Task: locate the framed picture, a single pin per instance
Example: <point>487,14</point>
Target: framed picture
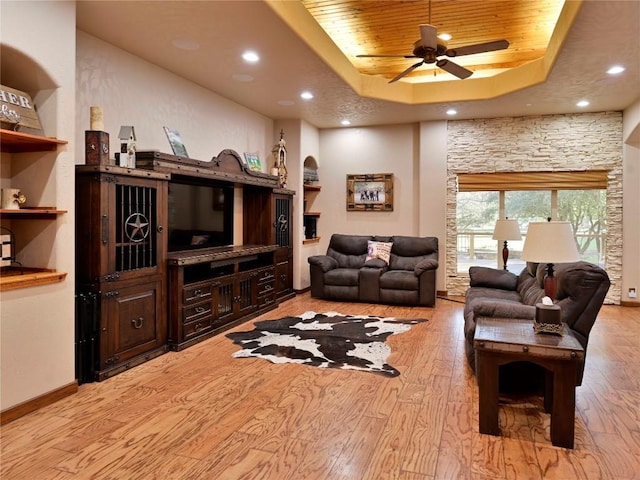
<point>177,145</point>
<point>253,161</point>
<point>371,192</point>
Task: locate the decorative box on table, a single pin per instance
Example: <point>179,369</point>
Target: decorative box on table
<point>548,319</point>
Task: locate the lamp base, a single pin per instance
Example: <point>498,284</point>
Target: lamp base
<point>550,283</point>
<point>505,255</point>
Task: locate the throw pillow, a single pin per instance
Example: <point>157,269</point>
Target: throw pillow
<point>381,250</point>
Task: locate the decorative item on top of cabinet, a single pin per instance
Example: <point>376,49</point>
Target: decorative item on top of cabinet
<point>120,219</point>
<point>127,155</point>
<point>12,277</point>
<point>279,153</point>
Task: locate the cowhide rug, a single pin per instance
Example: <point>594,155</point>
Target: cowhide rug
<point>326,340</point>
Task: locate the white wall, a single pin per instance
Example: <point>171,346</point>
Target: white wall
<point>631,202</point>
<point>432,189</point>
<point>386,149</point>
<point>134,92</point>
<point>37,323</point>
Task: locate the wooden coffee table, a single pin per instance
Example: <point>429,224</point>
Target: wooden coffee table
<point>498,341</point>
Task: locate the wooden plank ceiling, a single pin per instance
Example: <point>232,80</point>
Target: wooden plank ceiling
<point>392,27</point>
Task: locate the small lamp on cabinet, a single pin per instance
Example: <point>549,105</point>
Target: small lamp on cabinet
<point>550,242</point>
<point>506,230</point>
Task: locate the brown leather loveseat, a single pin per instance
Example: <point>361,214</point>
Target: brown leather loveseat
<point>377,269</point>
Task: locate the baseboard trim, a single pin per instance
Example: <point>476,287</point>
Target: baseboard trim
<point>441,293</point>
<point>629,304</point>
<point>20,410</point>
<point>304,290</point>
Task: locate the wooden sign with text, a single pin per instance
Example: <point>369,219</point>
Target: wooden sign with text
<point>17,110</point>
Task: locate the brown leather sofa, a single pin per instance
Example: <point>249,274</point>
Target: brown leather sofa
<point>581,290</point>
<point>345,273</point>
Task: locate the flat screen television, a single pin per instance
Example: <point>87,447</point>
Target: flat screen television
<point>200,215</point>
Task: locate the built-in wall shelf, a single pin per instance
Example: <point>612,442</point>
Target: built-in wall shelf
<point>17,142</point>
<point>12,278</point>
<point>310,218</point>
<point>31,212</point>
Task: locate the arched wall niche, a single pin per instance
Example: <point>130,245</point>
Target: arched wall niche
<point>310,173</point>
<point>22,72</point>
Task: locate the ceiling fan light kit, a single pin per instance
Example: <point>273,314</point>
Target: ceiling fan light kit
<point>430,47</point>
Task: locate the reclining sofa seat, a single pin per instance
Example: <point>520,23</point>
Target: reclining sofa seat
<point>345,274</point>
<point>581,290</point>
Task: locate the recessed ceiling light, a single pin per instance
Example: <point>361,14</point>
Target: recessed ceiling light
<point>242,77</point>
<point>250,56</point>
<point>286,103</point>
<point>445,36</point>
<point>306,95</point>
<point>582,103</point>
<point>451,111</point>
<point>615,70</point>
<point>185,44</point>
<point>345,122</point>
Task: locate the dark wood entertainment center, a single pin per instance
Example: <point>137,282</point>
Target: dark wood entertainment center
<point>135,299</point>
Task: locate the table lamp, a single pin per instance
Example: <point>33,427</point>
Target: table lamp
<point>550,242</point>
<point>506,230</point>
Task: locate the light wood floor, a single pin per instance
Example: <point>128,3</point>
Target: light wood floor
<point>200,414</point>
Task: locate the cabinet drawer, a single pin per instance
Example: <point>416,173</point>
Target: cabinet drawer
<point>195,312</point>
<point>266,299</point>
<point>196,293</point>
<point>198,327</point>
<point>266,288</point>
<point>266,275</point>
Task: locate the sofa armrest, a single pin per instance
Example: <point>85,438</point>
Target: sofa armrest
<point>425,265</point>
<point>492,278</point>
<point>325,262</point>
<point>501,309</point>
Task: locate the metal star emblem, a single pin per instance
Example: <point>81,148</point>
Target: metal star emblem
<point>137,227</point>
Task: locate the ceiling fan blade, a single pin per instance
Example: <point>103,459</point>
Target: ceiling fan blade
<point>386,56</point>
<point>477,48</point>
<point>408,70</point>
<point>454,68</point>
<point>429,36</point>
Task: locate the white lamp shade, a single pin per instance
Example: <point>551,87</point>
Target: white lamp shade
<point>550,242</point>
<point>507,230</point>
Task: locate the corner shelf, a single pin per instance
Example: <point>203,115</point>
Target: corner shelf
<point>18,142</point>
<point>311,240</point>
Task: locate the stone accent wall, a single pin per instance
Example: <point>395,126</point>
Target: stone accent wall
<point>589,141</point>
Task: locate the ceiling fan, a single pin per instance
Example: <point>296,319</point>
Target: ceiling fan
<point>429,47</point>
